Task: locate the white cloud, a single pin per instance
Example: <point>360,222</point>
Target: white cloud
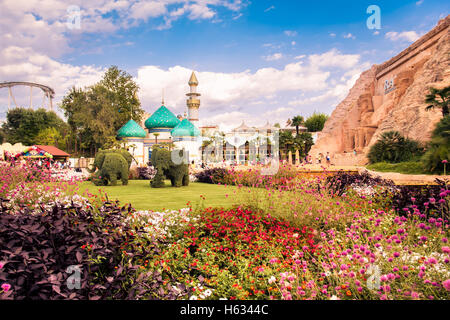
<point>42,25</point>
<point>349,36</point>
<point>418,3</point>
<point>334,58</point>
<point>23,64</point>
<point>409,36</point>
<point>273,57</point>
<point>237,16</point>
<point>291,33</point>
<point>269,9</point>
<point>293,43</point>
<point>147,9</point>
<point>299,57</point>
<point>332,35</point>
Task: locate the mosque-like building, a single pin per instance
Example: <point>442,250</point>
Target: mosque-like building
<point>183,132</point>
<point>163,127</point>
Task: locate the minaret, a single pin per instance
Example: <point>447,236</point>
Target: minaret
<point>193,103</point>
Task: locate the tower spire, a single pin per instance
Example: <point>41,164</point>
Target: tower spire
<point>162,102</point>
<point>193,103</point>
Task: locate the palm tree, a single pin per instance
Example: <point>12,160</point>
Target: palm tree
<point>156,137</point>
<point>286,140</point>
<point>439,98</point>
<point>297,121</point>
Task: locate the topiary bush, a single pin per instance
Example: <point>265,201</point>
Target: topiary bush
<point>165,168</point>
<point>111,165</point>
<point>392,147</point>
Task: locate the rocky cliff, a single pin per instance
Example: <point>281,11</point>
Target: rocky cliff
<point>387,97</point>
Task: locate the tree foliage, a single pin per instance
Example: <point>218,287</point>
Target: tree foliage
<point>439,147</point>
<point>392,147</point>
<point>297,121</point>
<point>316,122</point>
<point>439,98</point>
<point>96,113</point>
<point>24,125</point>
<point>301,142</point>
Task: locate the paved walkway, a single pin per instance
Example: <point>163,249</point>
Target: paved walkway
<point>404,179</point>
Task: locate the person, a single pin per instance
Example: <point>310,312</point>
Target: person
<point>319,158</point>
<point>328,159</point>
<point>354,152</point>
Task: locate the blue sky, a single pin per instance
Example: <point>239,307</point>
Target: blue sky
<point>258,61</point>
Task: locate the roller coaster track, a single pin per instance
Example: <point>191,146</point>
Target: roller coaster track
<point>49,93</point>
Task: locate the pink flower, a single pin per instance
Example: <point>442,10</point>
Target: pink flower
<point>1,265</point>
<point>444,161</point>
<point>444,249</point>
<point>6,286</point>
<point>446,284</point>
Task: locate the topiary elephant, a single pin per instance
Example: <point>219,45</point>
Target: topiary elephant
<point>111,165</point>
<point>100,157</point>
<point>165,168</point>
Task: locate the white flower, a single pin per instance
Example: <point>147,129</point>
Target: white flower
<point>272,279</point>
<point>334,298</point>
<point>193,298</point>
<point>208,292</point>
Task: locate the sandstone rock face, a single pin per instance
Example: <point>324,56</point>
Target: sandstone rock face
<point>387,97</point>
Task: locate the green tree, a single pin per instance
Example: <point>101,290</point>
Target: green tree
<point>50,137</point>
<point>23,125</point>
<point>303,143</point>
<point>286,141</point>
<point>439,147</point>
<point>297,121</point>
<point>439,98</point>
<point>122,94</point>
<point>394,148</point>
<point>96,113</point>
<point>316,122</point>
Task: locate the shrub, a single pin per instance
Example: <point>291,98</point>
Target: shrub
<point>214,175</point>
<point>439,147</point>
<point>392,147</point>
<point>100,244</point>
<point>430,200</point>
<point>339,183</point>
<point>410,167</point>
<point>146,173</point>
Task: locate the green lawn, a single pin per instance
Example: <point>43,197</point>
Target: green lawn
<point>143,197</point>
<point>409,167</point>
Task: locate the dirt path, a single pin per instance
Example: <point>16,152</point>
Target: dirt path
<point>400,178</point>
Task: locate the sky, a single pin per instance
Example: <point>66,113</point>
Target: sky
<point>258,61</point>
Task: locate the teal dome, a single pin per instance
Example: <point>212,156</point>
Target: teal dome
<point>131,130</point>
<point>185,129</point>
<point>162,118</point>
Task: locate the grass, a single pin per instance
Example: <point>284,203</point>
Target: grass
<point>143,197</point>
<point>410,167</point>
